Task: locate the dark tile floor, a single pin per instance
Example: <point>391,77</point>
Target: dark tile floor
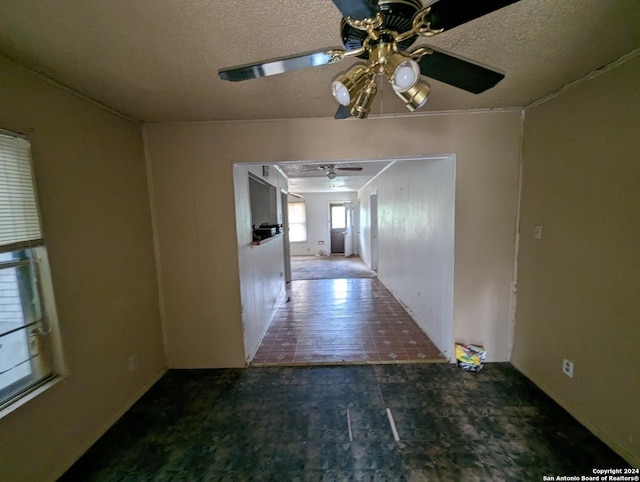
<point>329,321</point>
<point>331,423</point>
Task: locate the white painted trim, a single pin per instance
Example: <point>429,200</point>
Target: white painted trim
<point>513,296</point>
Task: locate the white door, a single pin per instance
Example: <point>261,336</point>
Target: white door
<point>374,230</point>
<point>348,233</point>
<point>284,203</point>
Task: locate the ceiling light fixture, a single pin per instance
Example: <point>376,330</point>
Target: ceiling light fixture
<point>402,72</point>
<point>346,87</point>
<point>357,88</point>
<point>416,96</point>
<point>362,104</point>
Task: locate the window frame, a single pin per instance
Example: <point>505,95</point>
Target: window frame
<point>301,224</point>
<point>41,333</point>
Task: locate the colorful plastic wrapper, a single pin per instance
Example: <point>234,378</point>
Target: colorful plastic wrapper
<point>470,357</point>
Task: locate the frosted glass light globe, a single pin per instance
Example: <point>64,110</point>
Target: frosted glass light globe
<point>405,76</point>
<point>340,92</point>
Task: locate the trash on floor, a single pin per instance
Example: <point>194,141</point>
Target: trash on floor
<point>470,357</point>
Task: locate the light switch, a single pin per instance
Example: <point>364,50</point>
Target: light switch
<point>537,232</point>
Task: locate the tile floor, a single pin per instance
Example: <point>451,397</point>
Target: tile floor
<point>336,321</point>
<point>330,424</point>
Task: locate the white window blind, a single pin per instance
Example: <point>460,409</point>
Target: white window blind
<point>297,222</point>
<point>19,220</point>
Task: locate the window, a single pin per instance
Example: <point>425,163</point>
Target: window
<point>297,222</point>
<point>25,317</point>
<point>338,216</point>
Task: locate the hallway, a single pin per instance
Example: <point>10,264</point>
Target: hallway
<point>343,321</point>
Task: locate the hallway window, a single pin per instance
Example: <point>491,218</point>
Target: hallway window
<point>297,222</point>
<point>26,299</point>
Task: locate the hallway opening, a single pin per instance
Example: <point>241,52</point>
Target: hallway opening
<point>410,203</point>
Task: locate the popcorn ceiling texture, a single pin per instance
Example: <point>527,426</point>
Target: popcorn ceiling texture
<point>157,61</point>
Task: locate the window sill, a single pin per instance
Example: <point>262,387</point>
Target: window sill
<point>31,395</point>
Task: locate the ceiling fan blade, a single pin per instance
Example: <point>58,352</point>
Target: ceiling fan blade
<point>342,112</point>
<point>282,64</point>
<point>348,169</point>
<point>458,72</point>
<point>447,14</point>
<point>357,9</point>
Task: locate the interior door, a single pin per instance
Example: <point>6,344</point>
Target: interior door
<point>374,230</point>
<point>284,202</point>
<point>348,231</point>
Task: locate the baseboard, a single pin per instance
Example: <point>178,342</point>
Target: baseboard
<point>76,454</point>
<point>594,429</point>
<point>451,357</point>
<point>279,304</point>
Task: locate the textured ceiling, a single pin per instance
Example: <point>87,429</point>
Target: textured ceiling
<point>156,60</point>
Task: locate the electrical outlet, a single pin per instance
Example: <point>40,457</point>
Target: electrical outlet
<point>537,232</point>
<point>132,363</point>
<point>567,368</point>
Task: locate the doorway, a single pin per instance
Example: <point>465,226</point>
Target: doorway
<point>285,230</point>
<point>341,228</point>
<point>386,243</point>
<point>373,207</point>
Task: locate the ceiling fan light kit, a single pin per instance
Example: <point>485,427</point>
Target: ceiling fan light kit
<point>346,86</point>
<point>381,32</point>
<point>415,97</point>
<point>361,105</point>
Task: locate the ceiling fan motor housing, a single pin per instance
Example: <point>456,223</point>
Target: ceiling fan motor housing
<point>398,15</point>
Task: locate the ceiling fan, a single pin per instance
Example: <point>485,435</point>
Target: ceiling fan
<point>379,32</point>
<point>330,170</point>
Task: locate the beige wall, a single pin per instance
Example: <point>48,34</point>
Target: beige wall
<point>194,205</point>
<point>578,286</point>
<point>92,187</point>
